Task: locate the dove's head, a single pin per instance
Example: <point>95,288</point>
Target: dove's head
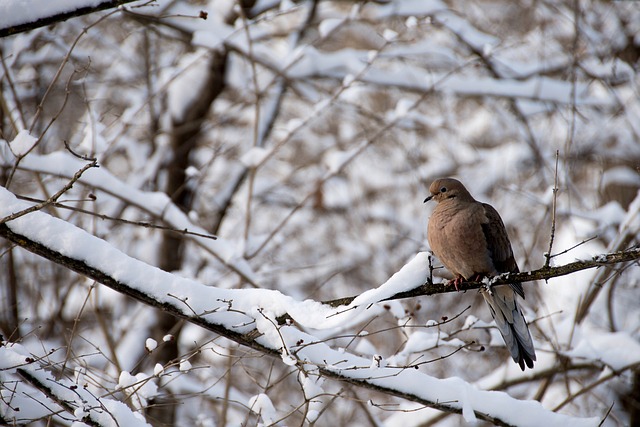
<point>448,188</point>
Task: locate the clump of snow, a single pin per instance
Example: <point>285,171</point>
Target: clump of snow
<point>288,359</point>
<point>150,344</point>
<point>22,143</point>
<point>254,157</point>
<point>411,22</point>
<point>125,380</point>
<point>335,160</point>
<point>327,26</point>
<point>412,275</point>
<point>313,392</point>
<point>606,347</point>
<point>185,365</point>
<point>620,175</point>
<point>403,107</point>
<point>348,79</point>
<point>192,172</point>
<point>389,35</point>
<point>93,141</point>
<point>262,405</point>
<point>81,412</point>
<point>158,369</point>
<point>469,321</point>
<point>141,385</point>
<point>312,415</point>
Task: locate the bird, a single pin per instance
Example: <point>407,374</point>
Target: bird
<point>471,241</point>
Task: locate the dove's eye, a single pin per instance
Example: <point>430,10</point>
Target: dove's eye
<point>443,190</point>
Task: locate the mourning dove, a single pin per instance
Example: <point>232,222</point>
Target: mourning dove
<point>470,239</point>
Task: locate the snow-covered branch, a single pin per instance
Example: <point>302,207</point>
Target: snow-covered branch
<point>544,273</point>
<point>248,317</point>
<point>17,16</point>
<point>82,403</point>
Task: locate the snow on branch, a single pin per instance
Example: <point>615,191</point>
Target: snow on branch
<point>17,16</point>
<point>79,401</point>
<point>159,205</point>
<point>544,273</point>
<point>248,317</point>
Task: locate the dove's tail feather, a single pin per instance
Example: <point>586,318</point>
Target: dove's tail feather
<point>512,325</point>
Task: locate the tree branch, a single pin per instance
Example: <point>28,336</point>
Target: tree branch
<point>59,17</point>
<point>544,273</point>
<point>247,339</point>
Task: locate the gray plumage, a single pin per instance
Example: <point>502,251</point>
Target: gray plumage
<point>470,239</point>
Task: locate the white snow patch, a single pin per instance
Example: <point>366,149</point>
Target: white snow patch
<point>187,86</point>
<point>185,365</point>
<point>254,157</point>
<point>617,350</point>
<point>389,35</point>
<point>17,12</point>
<point>262,405</point>
<point>327,26</point>
<point>150,344</point>
<point>23,142</point>
<point>191,172</point>
<point>158,369</point>
<point>412,275</point>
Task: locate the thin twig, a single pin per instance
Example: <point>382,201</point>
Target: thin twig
<point>54,198</point>
<point>145,224</point>
<point>553,213</point>
<point>575,246</point>
<point>601,380</point>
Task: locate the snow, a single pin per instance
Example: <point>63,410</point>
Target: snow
<point>336,160</point>
<point>254,157</point>
<point>188,84</point>
<point>158,369</point>
<point>185,365</point>
<point>312,415</point>
<point>606,348</point>
<point>620,175</point>
<point>150,344</point>
<point>159,204</point>
<point>411,22</point>
<point>389,35</point>
<point>410,8</point>
<point>327,26</point>
<point>102,411</point>
<point>17,12</point>
<point>73,242</point>
<point>262,405</point>
<point>22,143</point>
<point>412,275</point>
<point>369,102</point>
